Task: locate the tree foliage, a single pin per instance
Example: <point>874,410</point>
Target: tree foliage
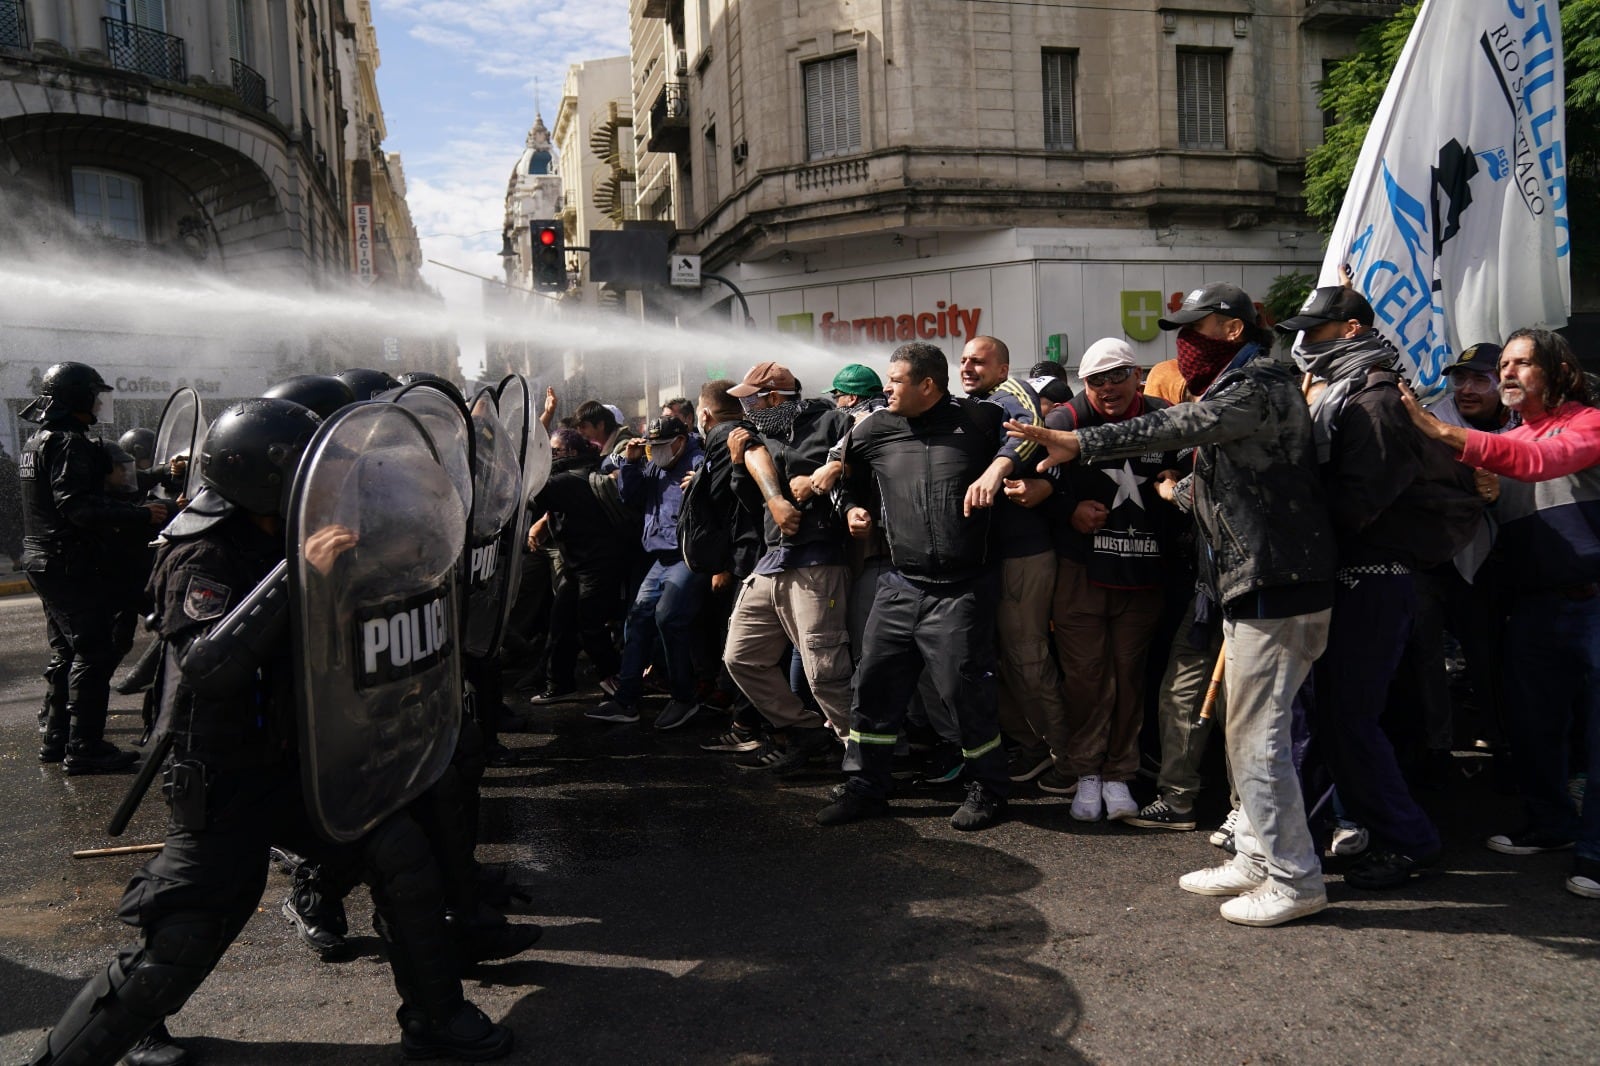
<point>1355,87</point>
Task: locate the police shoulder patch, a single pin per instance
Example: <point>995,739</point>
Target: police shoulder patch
<point>204,600</point>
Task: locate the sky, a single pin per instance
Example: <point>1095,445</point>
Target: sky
<point>460,82</point>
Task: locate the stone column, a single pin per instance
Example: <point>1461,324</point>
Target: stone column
<point>44,24</point>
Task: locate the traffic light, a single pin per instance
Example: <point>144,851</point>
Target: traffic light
<point>549,257</point>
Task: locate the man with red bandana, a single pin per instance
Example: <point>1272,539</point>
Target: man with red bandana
<point>1267,559</point>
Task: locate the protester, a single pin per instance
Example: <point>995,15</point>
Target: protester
<point>1549,538</point>
<point>1267,562</point>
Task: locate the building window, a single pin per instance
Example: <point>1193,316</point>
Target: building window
<point>151,14</point>
<point>239,31</point>
<point>1329,116</point>
<point>711,167</point>
<point>833,107</point>
<point>109,203</point>
<point>1202,100</point>
<point>1060,77</point>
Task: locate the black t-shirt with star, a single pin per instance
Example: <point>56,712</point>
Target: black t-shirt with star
<point>1128,551</point>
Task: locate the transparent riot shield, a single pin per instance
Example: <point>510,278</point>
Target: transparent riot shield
<point>178,435</point>
<point>376,529</point>
<point>449,427</point>
<point>491,560</point>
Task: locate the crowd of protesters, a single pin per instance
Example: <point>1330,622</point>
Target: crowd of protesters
<point>1023,588</point>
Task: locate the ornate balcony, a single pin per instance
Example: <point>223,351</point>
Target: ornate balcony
<point>249,86</point>
<point>13,25</point>
<point>145,51</point>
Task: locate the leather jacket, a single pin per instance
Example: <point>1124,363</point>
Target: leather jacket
<point>65,508</point>
<point>1257,496</point>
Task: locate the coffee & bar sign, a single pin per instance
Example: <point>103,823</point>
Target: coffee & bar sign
<point>945,320</point>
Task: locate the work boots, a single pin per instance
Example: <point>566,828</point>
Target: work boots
<point>318,919</point>
<point>466,1034</point>
<point>94,757</point>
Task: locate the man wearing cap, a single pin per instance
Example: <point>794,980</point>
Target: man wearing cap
<point>1032,714</point>
<point>1112,529</point>
<point>798,594</point>
<point>936,608</point>
<point>1266,560</point>
<point>649,478</point>
<point>1463,595</point>
<point>1389,495</point>
<point>858,386</point>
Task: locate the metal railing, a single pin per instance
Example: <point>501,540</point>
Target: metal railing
<point>671,107</point>
<point>149,52</point>
<point>13,25</point>
<point>249,86</point>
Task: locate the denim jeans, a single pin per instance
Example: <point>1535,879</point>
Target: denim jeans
<point>1267,661</point>
<point>665,608</point>
<point>1552,669</point>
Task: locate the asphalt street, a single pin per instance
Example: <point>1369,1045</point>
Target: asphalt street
<point>694,913</point>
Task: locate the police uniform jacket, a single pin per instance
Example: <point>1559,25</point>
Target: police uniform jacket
<point>65,508</point>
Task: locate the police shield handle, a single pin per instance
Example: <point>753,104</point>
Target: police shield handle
<point>1061,446</point>
<point>327,544</point>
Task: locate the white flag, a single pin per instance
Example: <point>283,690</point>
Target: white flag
<point>1455,222</point>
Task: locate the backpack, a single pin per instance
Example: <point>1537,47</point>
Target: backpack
<point>705,533</point>
<point>627,521</point>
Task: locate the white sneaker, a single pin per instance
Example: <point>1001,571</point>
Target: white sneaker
<point>1349,839</point>
<point>1583,885</point>
<point>1222,835</point>
<point>1270,904</point>
<point>1224,880</point>
<point>1119,801</point>
<point>1086,805</point>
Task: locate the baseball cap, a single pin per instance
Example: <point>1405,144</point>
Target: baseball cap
<point>1331,303</point>
<point>616,412</point>
<point>1056,390</point>
<point>1108,353</point>
<point>1217,298</point>
<point>764,377</point>
<point>1483,358</point>
<point>664,429</point>
<point>858,380</point>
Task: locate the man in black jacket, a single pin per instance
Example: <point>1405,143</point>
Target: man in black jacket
<point>1266,560</point>
<point>926,453</point>
<point>1390,509</point>
<point>65,513</point>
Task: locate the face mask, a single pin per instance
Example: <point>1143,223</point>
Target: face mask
<point>663,455</point>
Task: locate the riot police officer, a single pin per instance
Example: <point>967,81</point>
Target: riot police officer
<point>65,510</point>
<point>232,783</point>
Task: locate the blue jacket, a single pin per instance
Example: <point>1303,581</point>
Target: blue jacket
<point>656,492</point>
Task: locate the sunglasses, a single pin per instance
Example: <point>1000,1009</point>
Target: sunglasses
<point>1109,377</point>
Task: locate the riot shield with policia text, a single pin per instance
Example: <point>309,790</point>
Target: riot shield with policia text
<point>497,486</point>
<point>376,529</point>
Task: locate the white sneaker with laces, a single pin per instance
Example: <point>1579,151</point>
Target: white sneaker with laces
<point>1349,839</point>
<point>1222,834</point>
<point>1118,800</point>
<point>1224,880</point>
<point>1086,805</point>
<point>1271,904</point>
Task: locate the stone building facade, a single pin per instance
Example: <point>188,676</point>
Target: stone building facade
<point>210,139</point>
<point>862,169</point>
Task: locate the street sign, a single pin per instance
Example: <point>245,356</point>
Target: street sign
<point>685,271</point>
<point>366,271</point>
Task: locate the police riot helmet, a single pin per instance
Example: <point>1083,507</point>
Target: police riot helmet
<point>365,383</point>
<point>139,443</point>
<point>66,388</point>
<point>123,479</point>
<point>252,450</point>
<point>320,392</point>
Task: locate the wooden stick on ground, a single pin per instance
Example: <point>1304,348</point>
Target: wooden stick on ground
<point>1215,688</point>
<point>129,849</point>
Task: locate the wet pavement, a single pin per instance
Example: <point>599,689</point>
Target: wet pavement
<point>693,913</point>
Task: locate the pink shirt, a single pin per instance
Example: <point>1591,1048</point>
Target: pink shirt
<point>1563,442</point>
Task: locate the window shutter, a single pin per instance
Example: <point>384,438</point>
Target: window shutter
<point>150,14</point>
<point>1202,100</point>
<point>833,107</point>
<point>1060,76</point>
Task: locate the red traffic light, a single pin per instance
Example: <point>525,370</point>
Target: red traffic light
<point>547,236</point>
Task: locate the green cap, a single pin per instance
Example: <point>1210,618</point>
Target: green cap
<point>858,380</point>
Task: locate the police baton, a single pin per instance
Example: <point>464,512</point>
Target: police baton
<point>141,784</point>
